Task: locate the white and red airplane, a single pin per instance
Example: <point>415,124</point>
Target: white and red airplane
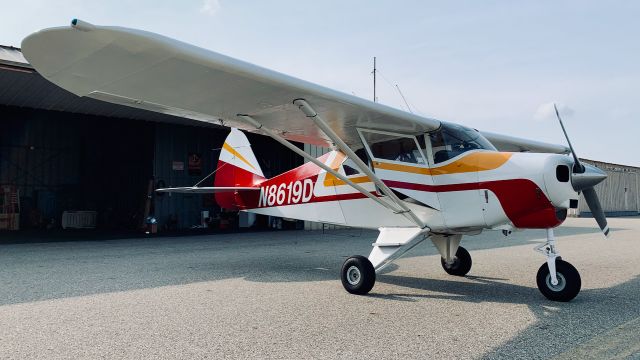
<point>411,177</point>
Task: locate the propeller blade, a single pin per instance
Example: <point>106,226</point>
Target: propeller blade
<point>584,179</point>
<point>596,209</point>
<point>577,166</point>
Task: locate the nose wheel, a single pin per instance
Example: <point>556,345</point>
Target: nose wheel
<point>557,279</point>
<point>568,281</point>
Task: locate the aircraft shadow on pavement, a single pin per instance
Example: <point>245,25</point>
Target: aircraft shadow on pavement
<point>479,289</point>
<point>559,327</point>
<point>595,316</point>
<point>42,271</point>
<point>608,318</point>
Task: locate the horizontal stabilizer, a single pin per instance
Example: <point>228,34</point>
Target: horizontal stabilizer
<point>205,190</point>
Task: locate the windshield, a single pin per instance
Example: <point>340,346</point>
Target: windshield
<point>452,140</point>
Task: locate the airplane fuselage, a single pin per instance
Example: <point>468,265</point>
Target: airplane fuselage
<point>478,190</point>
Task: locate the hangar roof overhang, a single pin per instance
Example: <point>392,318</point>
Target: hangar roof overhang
<point>22,86</point>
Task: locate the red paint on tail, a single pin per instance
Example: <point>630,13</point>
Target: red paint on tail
<point>228,175</point>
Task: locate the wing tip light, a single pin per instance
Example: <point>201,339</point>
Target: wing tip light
<point>82,25</point>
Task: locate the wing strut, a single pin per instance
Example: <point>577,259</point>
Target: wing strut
<point>313,115</point>
<point>322,165</point>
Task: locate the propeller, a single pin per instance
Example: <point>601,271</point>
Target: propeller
<point>583,178</point>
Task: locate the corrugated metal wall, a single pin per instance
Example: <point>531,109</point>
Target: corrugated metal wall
<point>62,161</point>
<point>35,155</point>
<point>618,194</point>
<point>174,143</point>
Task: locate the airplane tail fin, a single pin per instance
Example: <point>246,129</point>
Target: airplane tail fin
<point>237,167</point>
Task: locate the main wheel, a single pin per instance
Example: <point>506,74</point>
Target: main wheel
<point>569,282</point>
<point>358,275</point>
<point>461,263</point>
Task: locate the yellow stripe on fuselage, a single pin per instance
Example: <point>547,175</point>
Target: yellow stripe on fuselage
<point>401,168</point>
<point>237,154</point>
<point>332,180</point>
<point>478,161</point>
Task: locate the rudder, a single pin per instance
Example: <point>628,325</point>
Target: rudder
<point>237,166</point>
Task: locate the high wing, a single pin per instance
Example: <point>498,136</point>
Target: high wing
<point>150,71</point>
<point>515,144</point>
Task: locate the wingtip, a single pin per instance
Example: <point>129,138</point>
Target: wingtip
<point>82,25</point>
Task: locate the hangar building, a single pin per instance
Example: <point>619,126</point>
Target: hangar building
<point>619,195</point>
<point>65,155</point>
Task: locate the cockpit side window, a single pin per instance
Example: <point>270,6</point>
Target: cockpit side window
<point>387,146</point>
<point>452,140</point>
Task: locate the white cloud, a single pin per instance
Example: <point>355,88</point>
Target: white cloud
<point>210,7</point>
<point>547,112</point>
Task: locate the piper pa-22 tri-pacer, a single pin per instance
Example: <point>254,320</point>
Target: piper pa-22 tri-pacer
<point>411,177</point>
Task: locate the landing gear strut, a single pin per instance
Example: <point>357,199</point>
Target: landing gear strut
<point>557,279</point>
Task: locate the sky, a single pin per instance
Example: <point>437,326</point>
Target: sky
<point>492,65</point>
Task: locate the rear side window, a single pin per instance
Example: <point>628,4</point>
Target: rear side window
<point>394,147</point>
<point>349,170</point>
<point>350,167</point>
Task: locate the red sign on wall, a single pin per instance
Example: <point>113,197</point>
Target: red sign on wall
<point>195,164</point>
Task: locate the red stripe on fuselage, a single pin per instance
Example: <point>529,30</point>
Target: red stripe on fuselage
<point>524,203</point>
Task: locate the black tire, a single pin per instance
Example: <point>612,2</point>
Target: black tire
<point>461,263</point>
<point>358,275</point>
<point>569,282</point>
